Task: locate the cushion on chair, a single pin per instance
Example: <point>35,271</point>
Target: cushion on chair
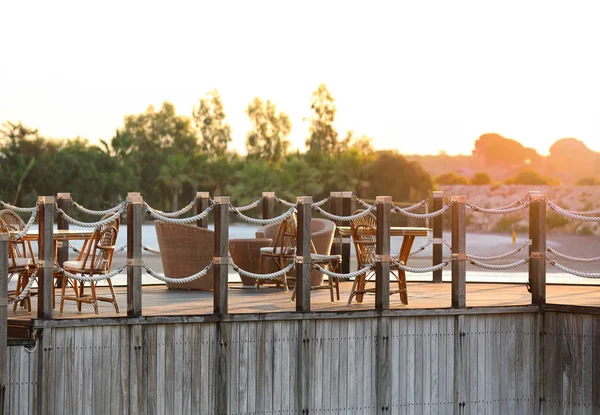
<point>19,262</point>
<point>77,266</point>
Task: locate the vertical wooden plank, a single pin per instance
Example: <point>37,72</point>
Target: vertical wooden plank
<point>268,205</point>
<point>221,252</point>
<point>459,255</point>
<point>137,395</point>
<point>233,372</point>
<point>411,363</point>
<point>3,316</point>
<point>7,362</point>
<point>587,355</point>
<point>196,346</point>
<point>434,395</point>
<point>303,250</point>
<point>107,367</point>
<point>316,400</point>
<point>58,372</point>
<point>150,368</point>
<point>72,387</point>
<point>294,366</point>
<point>382,358</point>
<point>596,363</point>
<point>419,363</point>
<point>557,366</point>
<point>169,364</point>
<point>202,202</point>
<point>549,332</point>
<point>576,363</point>
<point>45,257</point>
<point>280,358</point>
<point>251,367</point>
<point>223,344</point>
<point>473,362</point>
<point>382,253</point>
<point>539,351</point>
<point>334,366</point>
<point>567,362</point>
<point>179,368</point>
<point>187,342</point>
<point>346,242</point>
<point>12,391</point>
<point>134,255</point>
<point>438,225</point>
<point>443,358</point>
<point>304,364</point>
<point>77,358</point>
<point>161,378</point>
<point>362,373</point>
<point>537,249</point>
<point>482,370</point>
<point>63,202</point>
<point>460,364</point>
<point>521,376</point>
<point>427,376</point>
<point>115,386</point>
<point>529,356</point>
<point>208,352</point>
<point>344,360</point>
<point>335,208</point>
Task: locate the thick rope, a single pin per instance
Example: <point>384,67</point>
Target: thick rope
<point>150,249</point>
<point>492,258</point>
<point>77,250</point>
<point>499,267</point>
<point>571,215</point>
<point>191,278</point>
<point>416,251</point>
<point>362,202</point>
<point>25,291</point>
<point>413,207</point>
<point>572,258</point>
<point>290,204</point>
<point>120,249</point>
<point>262,221</point>
<point>97,212</point>
<point>419,270</point>
<point>175,214</point>
<point>421,215</point>
<point>91,224</point>
<point>191,219</point>
<point>18,209</point>
<point>270,276</point>
<point>348,276</point>
<point>95,278</point>
<point>343,218</point>
<point>248,207</point>
<point>499,211</point>
<point>572,271</point>
<point>27,226</point>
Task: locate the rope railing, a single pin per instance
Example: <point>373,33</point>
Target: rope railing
<point>112,218</point>
<point>431,215</point>
<point>403,267</point>
<point>248,207</point>
<point>572,271</point>
<point>524,204</point>
<point>74,248</point>
<point>290,204</point>
<point>343,218</point>
<point>499,267</point>
<point>270,276</point>
<point>97,212</point>
<point>25,292</point>
<point>571,215</point>
<point>165,279</point>
<point>500,256</point>
<point>261,222</point>
<point>18,209</point>
<point>362,202</point>
<point>572,258</point>
<point>94,278</point>
<point>348,276</point>
<point>150,249</point>
<point>175,214</point>
<point>191,219</point>
<point>416,251</point>
<point>27,226</point>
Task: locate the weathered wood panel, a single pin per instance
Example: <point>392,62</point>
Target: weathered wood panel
<point>21,381</point>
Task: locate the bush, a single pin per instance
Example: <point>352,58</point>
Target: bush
<point>588,181</point>
<point>451,178</point>
<point>529,177</point>
<point>481,178</point>
<point>555,220</point>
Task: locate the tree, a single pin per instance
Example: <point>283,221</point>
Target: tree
<point>323,137</point>
<point>267,140</point>
<point>215,133</point>
<point>481,178</point>
<point>451,178</point>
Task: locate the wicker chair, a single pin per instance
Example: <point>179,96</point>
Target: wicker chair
<point>184,251</point>
<point>245,253</point>
<point>18,263</point>
<point>95,258</point>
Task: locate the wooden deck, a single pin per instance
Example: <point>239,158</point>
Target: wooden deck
<point>160,301</point>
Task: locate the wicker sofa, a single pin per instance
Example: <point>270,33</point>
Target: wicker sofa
<point>184,251</point>
<point>322,231</point>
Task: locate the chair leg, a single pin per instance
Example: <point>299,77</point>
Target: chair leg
<point>114,297</point>
<point>330,282</point>
<point>402,287</point>
<point>94,301</point>
<point>353,290</point>
<point>62,292</point>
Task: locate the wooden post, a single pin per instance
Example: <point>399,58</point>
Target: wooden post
<point>3,314</point>
<point>438,225</point>
<point>202,202</point>
<point>382,253</point>
<point>268,205</point>
<point>335,207</point>
<point>221,254</point>
<point>45,257</point>
<point>63,201</point>
<point>346,211</point>
<point>384,378</point>
<point>135,215</point>
<point>303,257</point>
<point>537,249</point>
<point>459,252</point>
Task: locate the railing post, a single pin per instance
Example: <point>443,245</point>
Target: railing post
<point>3,314</point>
<point>45,257</point>
<point>346,211</point>
<point>202,202</point>
<point>303,257</point>
<point>63,201</point>
<point>221,254</point>
<point>268,205</point>
<point>459,252</point>
<point>438,225</point>
<point>135,215</point>
<point>335,207</point>
<point>382,253</point>
<point>537,249</point>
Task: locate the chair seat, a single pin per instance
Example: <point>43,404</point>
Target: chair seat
<point>77,266</point>
<point>20,264</point>
<point>276,250</point>
<point>320,258</point>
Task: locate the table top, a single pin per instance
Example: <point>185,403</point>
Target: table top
<point>394,231</point>
<point>60,234</point>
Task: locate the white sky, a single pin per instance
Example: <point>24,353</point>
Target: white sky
<point>418,76</point>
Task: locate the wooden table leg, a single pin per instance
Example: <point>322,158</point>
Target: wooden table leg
<point>407,243</point>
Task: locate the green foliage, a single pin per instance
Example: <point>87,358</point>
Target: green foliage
<point>481,179</point>
<point>585,230</point>
<point>529,177</point>
<point>451,178</point>
<point>267,140</point>
<point>554,220</point>
<point>323,136</point>
<point>215,133</point>
<point>588,181</point>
